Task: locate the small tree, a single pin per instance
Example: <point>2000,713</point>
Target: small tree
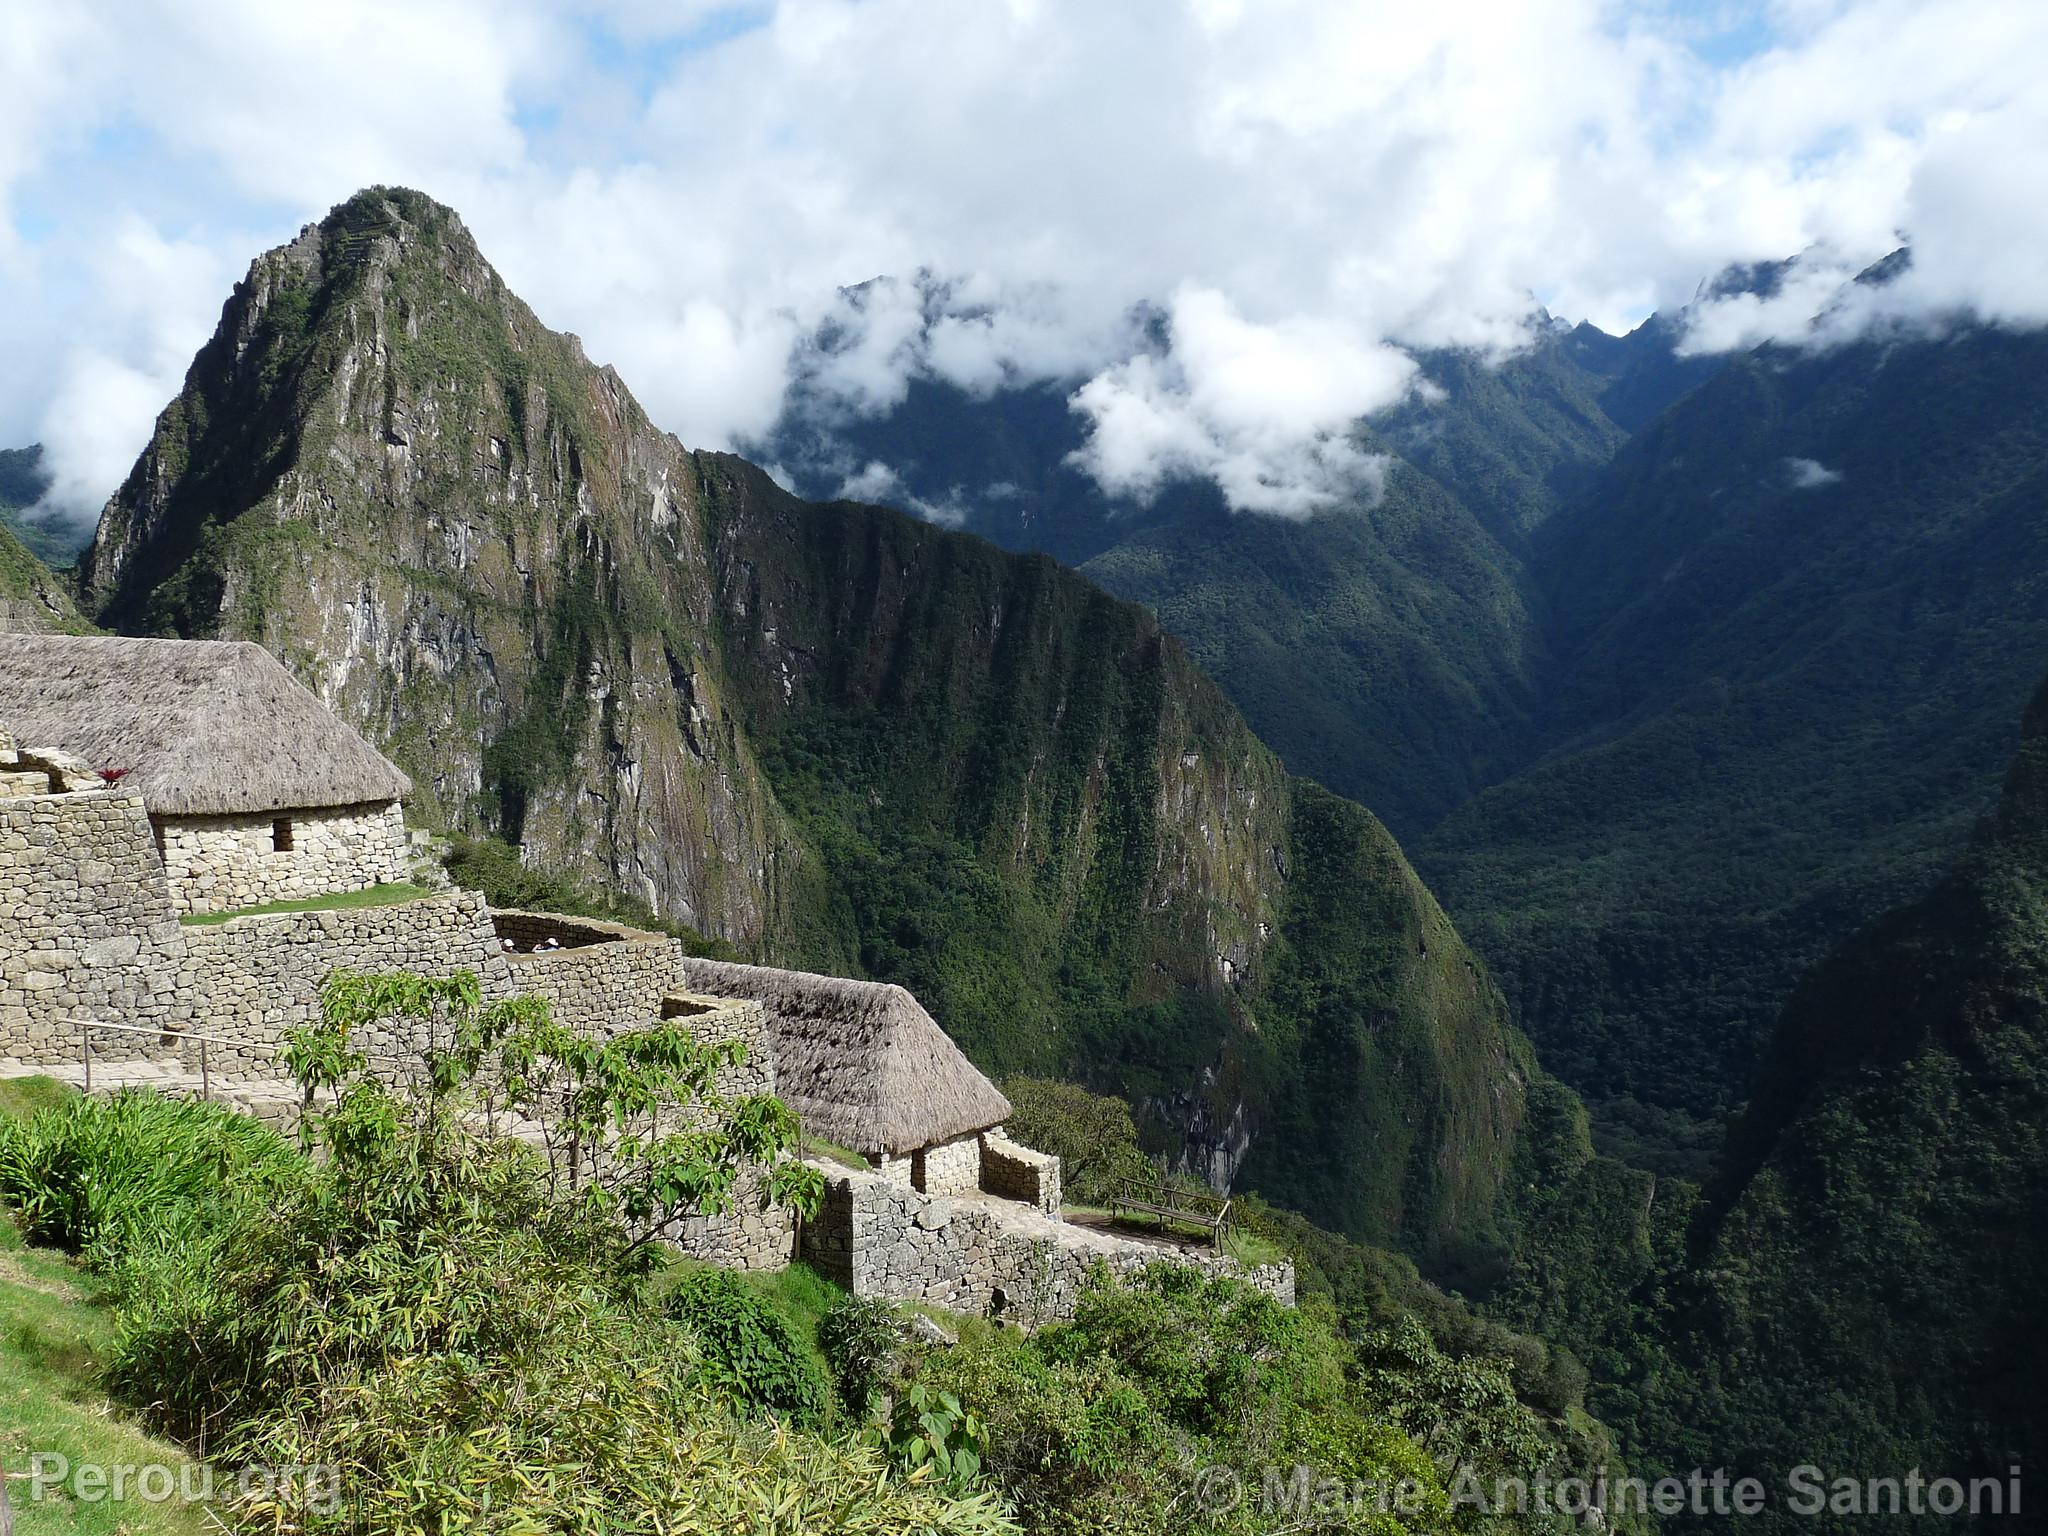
<point>634,1127</point>
<point>1090,1133</point>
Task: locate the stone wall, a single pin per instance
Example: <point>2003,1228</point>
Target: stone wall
<point>721,1020</point>
<point>1016,1172</point>
<point>259,976</point>
<point>615,976</point>
<point>747,1236</point>
<point>86,926</point>
<point>527,929</point>
<point>950,1167</point>
<point>899,1172</point>
<point>220,863</point>
<point>980,1255</point>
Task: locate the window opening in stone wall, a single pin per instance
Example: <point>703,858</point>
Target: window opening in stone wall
<point>281,835</point>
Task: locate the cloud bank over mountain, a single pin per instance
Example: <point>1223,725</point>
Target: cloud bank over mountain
<point>1221,225</point>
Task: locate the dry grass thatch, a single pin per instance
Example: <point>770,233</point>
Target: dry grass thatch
<point>861,1062</point>
<point>203,727</point>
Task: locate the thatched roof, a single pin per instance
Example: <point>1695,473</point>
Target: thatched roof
<point>203,727</point>
<point>862,1063</point>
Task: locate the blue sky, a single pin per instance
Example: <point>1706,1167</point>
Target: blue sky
<point>1311,191</point>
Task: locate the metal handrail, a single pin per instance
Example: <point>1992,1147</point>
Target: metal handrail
<point>87,1026</point>
<point>143,1029</point>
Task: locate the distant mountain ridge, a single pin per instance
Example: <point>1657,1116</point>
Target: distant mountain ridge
<point>33,599</point>
<point>1794,623</point>
<point>1396,649</point>
<point>23,480</point>
<point>831,734</point>
<point>1652,658</point>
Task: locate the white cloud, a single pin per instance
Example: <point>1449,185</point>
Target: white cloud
<point>877,482</point>
<point>1263,410</point>
<point>1306,186</point>
<point>873,481</point>
<point>100,398</point>
<point>1732,321</point>
<point>1811,474</point>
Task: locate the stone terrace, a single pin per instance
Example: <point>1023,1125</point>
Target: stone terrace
<point>88,932</point>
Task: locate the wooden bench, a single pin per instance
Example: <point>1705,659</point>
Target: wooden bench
<point>1191,1207</point>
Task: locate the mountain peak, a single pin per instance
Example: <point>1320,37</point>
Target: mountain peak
<point>399,214</point>
<point>380,337</point>
<point>655,672</point>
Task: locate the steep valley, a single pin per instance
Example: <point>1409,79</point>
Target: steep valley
<point>1796,618</point>
<point>1854,1293</point>
<point>1670,668</point>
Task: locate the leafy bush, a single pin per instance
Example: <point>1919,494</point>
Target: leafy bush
<point>1102,1424</point>
<point>750,1353</point>
<point>1077,1445</point>
<point>1370,1288</point>
<point>859,1338</point>
<point>930,1430</point>
<point>1091,1134</point>
<point>424,1310</point>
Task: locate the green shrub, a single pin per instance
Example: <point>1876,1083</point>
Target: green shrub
<point>474,1344</point>
<point>859,1338</point>
<point>1077,1446</point>
<point>1101,1424</point>
<point>425,1311</point>
<point>106,1177</point>
<point>750,1354</point>
<point>1090,1133</point>
<point>930,1430</point>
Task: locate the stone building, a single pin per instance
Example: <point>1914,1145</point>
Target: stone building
<point>256,791</point>
<point>865,1067</point>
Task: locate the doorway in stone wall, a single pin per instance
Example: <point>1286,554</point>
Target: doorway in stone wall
<point>917,1170</point>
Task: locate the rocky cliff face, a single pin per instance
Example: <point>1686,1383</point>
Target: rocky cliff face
<point>833,734</point>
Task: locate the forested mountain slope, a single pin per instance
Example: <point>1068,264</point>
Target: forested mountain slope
<point>1793,624</point>
<point>23,479</point>
<point>32,598</point>
<point>1864,1281</point>
<point>1389,648</point>
<point>1671,669</point>
<point>830,734</point>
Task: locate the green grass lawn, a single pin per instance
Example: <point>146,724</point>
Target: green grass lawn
<point>21,1097</point>
<point>832,1152</point>
<point>53,1328</point>
<point>339,901</point>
